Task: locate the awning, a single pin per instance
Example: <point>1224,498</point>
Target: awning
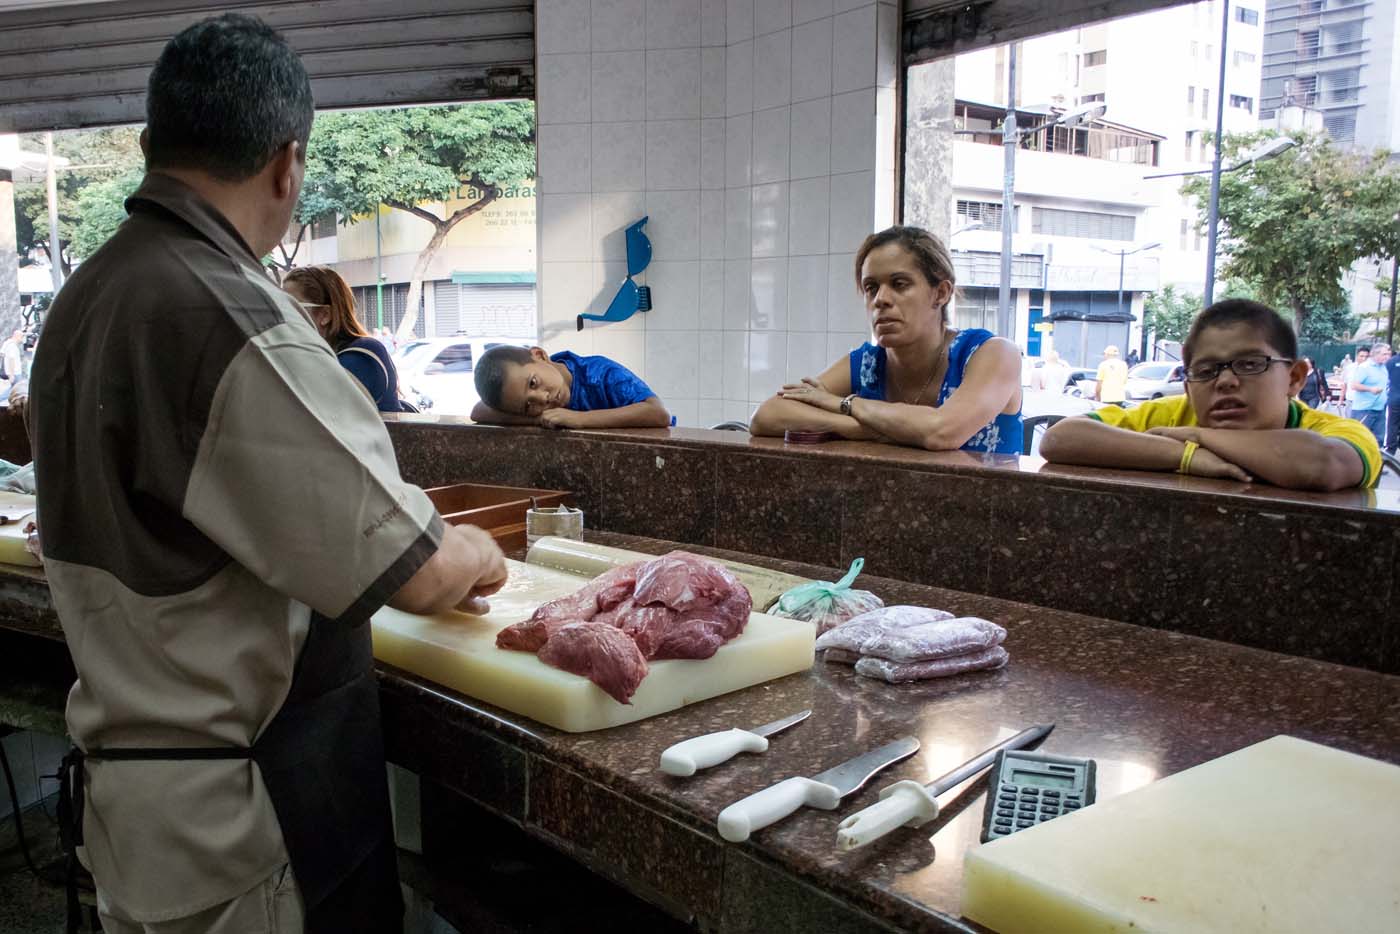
<point>494,278</point>
<point>1109,317</point>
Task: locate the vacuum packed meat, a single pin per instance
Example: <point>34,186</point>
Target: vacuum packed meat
<point>898,672</point>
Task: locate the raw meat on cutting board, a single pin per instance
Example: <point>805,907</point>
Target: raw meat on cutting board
<point>677,606</point>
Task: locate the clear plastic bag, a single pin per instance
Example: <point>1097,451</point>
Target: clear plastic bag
<point>900,672</point>
<point>855,632</point>
<point>826,604</point>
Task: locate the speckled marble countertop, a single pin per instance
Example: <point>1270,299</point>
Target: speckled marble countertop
<point>1142,702</point>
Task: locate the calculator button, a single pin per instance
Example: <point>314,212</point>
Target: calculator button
<point>1003,823</point>
<point>1071,805</point>
<point>1008,787</point>
<point>1006,812</point>
<point>1048,813</point>
<point>1051,794</point>
<point>1023,824</point>
<point>1030,791</point>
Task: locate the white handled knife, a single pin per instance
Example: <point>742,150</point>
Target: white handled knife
<point>701,752</point>
<point>910,804</point>
<point>824,790</point>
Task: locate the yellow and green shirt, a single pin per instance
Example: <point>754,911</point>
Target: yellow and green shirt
<point>1177,412</point>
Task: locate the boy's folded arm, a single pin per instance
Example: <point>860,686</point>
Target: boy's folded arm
<point>483,413</point>
<point>649,413</point>
<point>1088,442</point>
<point>1289,457</point>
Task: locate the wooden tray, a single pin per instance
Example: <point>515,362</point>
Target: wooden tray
<point>499,510</point>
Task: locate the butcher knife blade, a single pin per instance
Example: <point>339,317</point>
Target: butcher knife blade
<point>910,804</point>
<point>701,752</point>
<point>824,790</point>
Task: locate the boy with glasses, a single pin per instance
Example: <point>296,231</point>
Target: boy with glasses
<point>1237,419</point>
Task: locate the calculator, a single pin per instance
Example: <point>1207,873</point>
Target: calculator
<point>1028,788</point>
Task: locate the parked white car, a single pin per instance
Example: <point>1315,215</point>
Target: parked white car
<point>1154,380</point>
<point>437,374</point>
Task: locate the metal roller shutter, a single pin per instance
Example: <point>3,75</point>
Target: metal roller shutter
<point>87,64</point>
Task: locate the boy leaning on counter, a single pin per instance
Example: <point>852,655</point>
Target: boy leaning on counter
<point>1238,419</point>
<point>524,386</point>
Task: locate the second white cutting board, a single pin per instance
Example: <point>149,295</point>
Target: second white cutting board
<point>459,652</point>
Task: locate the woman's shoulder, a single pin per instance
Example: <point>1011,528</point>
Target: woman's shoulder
<point>370,344</point>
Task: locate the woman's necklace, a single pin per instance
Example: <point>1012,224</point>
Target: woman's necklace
<point>938,359</point>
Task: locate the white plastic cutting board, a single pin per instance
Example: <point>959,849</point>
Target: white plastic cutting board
<point>1284,835</point>
<point>459,652</point>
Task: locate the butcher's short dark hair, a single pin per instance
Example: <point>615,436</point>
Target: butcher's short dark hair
<point>492,368</point>
<point>224,97</point>
<point>1277,333</point>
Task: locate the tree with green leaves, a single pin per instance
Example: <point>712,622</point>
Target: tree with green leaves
<point>1168,314</point>
<point>1294,224</point>
<point>1325,324</point>
<point>409,158</point>
<point>97,159</point>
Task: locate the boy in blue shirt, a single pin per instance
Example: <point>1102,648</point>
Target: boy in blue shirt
<point>523,386</point>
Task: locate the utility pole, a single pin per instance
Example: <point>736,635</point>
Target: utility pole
<point>55,251</point>
<point>1010,140</point>
<point>1213,221</point>
<point>378,271</point>
<point>1394,281</point>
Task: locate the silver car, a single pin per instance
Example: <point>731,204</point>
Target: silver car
<point>1155,380</point>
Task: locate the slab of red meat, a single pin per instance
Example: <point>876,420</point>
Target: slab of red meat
<point>601,653</point>
<point>604,592</point>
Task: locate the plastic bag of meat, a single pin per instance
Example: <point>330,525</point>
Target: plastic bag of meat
<point>900,672</point>
<point>941,639</point>
<point>853,633</point>
<point>826,604</point>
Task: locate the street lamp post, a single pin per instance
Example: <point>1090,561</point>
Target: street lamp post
<point>1122,257</point>
<point>51,192</point>
<point>1213,213</point>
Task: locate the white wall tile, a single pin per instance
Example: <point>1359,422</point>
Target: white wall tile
<point>565,290</point>
<point>562,26</point>
<point>810,223</point>
<point>840,343</point>
<point>736,365</point>
<point>853,132</point>
<point>807,291</point>
<point>563,158</point>
<point>711,295</point>
<point>673,84</point>
<point>712,143</point>
<point>709,412</point>
<point>684,412</point>
<point>625,347</point>
<point>738,78</point>
<point>619,25</point>
<point>619,156</point>
<point>841,6</point>
<point>811,60</point>
<point>769,289</point>
<point>767,364</point>
<point>675,296</point>
<point>713,78</point>
<point>804,11</point>
<point>674,227</point>
<point>771,143</point>
<point>811,138</point>
<point>613,213</point>
<point>712,225</point>
<point>853,53</point>
<point>886,45</point>
<point>845,308</point>
<point>738,294</point>
<point>771,15</point>
<point>673,24</point>
<point>712,31</point>
<point>738,209</point>
<point>738,410</point>
<point>566,226</point>
<point>673,154</point>
<point>738,20</point>
<point>772,70</point>
<point>738,151</point>
<point>673,364</point>
<point>619,86</point>
<point>711,379</point>
<point>564,89</point>
<point>806,356</point>
<point>770,219</point>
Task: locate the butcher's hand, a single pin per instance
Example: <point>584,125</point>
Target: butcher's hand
<point>491,570</point>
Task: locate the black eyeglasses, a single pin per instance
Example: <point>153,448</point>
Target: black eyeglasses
<point>1251,365</point>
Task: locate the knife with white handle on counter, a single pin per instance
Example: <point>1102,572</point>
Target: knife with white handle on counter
<point>824,790</point>
<point>701,752</point>
<point>911,804</point>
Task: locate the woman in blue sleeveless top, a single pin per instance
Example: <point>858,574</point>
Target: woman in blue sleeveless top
<point>330,303</point>
<point>921,382</point>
